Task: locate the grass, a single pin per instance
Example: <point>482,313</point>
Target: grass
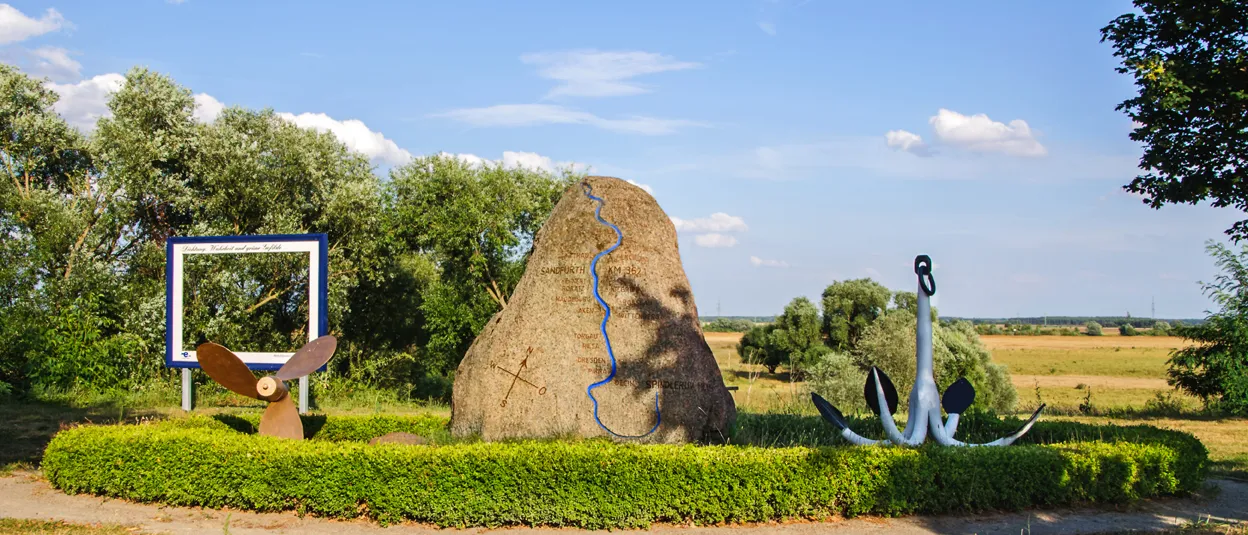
<point>1110,356</point>
<point>57,527</point>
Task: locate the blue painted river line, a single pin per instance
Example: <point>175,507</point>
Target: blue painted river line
<point>593,269</point>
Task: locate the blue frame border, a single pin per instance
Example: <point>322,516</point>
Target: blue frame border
<point>323,291</point>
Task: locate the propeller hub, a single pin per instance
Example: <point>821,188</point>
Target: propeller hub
<point>270,388</point>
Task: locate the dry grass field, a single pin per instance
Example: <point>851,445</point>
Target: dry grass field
<point>1111,372</point>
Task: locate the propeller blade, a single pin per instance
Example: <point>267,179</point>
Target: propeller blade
<point>311,356</point>
<point>281,420</point>
<point>829,412</point>
<point>224,367</point>
<point>890,392</point>
<point>958,396</point>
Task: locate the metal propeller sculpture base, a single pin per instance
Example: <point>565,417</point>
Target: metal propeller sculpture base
<point>925,401</point>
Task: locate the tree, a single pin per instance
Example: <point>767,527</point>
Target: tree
<point>849,307</point>
<point>793,339</point>
<point>1127,329</point>
<point>476,222</point>
<point>957,351</point>
<point>909,302</point>
<point>1215,368</point>
<point>757,347</point>
<point>1093,328</point>
<point>1190,62</point>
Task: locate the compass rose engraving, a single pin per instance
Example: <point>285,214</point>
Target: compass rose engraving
<point>516,377</point>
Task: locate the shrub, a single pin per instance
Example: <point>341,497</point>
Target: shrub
<point>728,325</point>
<point>599,484</point>
<point>956,352</point>
<point>1127,329</point>
<point>1093,328</point>
<point>839,380</point>
<point>1160,328</point>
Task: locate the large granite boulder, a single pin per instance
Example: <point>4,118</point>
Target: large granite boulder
<point>528,372</point>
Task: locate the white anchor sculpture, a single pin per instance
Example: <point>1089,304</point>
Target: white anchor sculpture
<point>925,402</point>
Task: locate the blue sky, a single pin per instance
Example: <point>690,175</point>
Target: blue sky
<point>796,142</point>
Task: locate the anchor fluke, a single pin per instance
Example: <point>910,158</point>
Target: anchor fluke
<point>890,392</point>
<point>958,397</point>
<point>829,412</point>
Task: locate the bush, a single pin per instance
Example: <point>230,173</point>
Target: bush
<point>1093,328</point>
<point>956,352</point>
<point>1160,328</point>
<point>728,325</point>
<point>1127,329</point>
<point>839,380</point>
<point>599,484</point>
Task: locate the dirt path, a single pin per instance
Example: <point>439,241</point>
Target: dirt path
<point>25,496</point>
<point>1095,381</point>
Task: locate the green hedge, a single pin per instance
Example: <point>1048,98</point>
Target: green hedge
<point>598,484</point>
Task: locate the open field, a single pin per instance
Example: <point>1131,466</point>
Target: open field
<point>1117,372</point>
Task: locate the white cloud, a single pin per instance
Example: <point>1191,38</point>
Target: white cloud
<point>908,142</point>
<point>15,26</point>
<point>647,189</point>
<point>175,2</point>
<point>207,108</point>
<point>55,63</point>
<point>83,103</point>
<point>515,160</point>
<point>354,134</point>
<point>714,240</point>
<point>718,222</point>
<point>768,263</point>
<point>593,73</point>
<point>867,156</point>
<point>978,133</point>
<point>873,273</point>
<point>514,115</point>
<point>767,27</point>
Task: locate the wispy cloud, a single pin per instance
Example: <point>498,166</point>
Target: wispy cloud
<point>516,115</point>
<point>871,156</point>
<point>55,63</point>
<point>908,142</point>
<point>767,28</point>
<point>718,222</point>
<point>762,262</point>
<point>15,26</point>
<point>714,239</point>
<point>594,73</point>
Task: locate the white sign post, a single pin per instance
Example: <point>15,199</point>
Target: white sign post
<point>176,249</point>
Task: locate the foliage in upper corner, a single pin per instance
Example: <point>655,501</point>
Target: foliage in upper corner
<point>1215,368</point>
<point>1189,59</point>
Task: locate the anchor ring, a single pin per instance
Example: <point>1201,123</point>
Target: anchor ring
<point>923,268</point>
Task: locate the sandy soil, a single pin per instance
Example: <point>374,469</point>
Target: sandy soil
<point>24,495</point>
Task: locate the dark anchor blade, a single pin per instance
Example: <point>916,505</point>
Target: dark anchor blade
<point>829,412</point>
<point>890,392</point>
<point>958,396</point>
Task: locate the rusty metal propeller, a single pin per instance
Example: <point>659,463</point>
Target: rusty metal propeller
<point>281,418</point>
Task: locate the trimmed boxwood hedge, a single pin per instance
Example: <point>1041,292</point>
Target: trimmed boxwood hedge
<point>599,484</point>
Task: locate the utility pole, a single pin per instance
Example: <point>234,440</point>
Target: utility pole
<point>719,312</point>
<point>1153,314</point>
